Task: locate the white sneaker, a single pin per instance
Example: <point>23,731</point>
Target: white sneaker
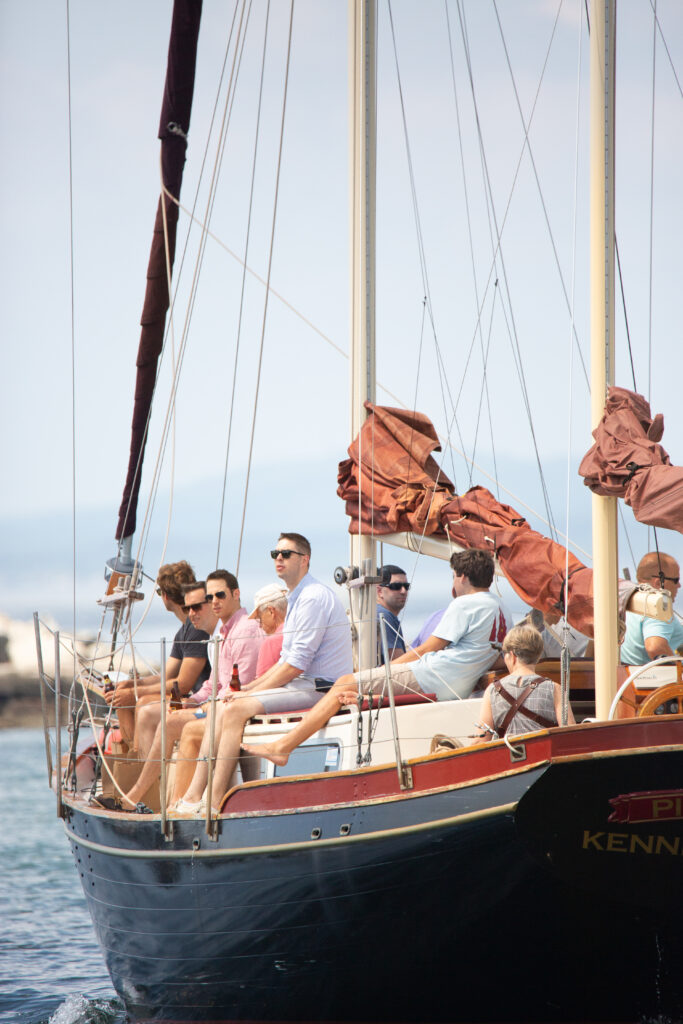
<point>183,806</point>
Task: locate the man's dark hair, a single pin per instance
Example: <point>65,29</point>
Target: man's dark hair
<point>187,588</point>
<point>475,564</point>
<point>171,578</point>
<point>298,539</point>
<point>227,577</point>
<point>387,571</point>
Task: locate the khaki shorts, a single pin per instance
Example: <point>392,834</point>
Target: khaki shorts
<point>374,680</point>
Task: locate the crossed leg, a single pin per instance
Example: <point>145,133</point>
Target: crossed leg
<point>313,720</point>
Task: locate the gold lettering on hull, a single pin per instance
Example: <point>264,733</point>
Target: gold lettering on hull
<point>623,842</point>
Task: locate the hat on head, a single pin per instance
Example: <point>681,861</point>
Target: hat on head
<point>267,595</point>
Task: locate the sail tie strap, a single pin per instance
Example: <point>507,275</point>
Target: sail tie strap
<point>175,129</point>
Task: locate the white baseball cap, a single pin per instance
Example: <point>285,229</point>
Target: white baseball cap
<point>267,595</point>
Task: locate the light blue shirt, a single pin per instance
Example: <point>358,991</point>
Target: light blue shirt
<point>474,626</point>
<point>639,628</point>
<point>317,636</point>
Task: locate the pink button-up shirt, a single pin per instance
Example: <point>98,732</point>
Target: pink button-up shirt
<point>241,643</point>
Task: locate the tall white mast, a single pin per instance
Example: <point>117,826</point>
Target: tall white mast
<point>363,120</point>
<point>602,56</point>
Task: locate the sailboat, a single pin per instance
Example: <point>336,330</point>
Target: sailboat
<point>340,892</point>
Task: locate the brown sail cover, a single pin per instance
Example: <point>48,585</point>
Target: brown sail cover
<point>391,464</point>
<point>173,129</point>
<point>404,490</point>
<point>627,461</point>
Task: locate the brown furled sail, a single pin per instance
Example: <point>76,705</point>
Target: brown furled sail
<point>173,128</point>
<point>628,462</point>
<point>392,459</point>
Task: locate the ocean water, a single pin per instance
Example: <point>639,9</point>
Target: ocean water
<point>51,968</point>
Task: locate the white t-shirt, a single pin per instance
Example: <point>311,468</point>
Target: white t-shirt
<point>472,625</point>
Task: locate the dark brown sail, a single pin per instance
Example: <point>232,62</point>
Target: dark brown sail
<point>628,462</point>
<point>403,489</point>
<point>173,129</point>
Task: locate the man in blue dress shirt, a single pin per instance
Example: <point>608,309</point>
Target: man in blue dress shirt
<point>316,650</point>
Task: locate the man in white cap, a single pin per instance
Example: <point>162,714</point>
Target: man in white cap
<point>270,608</point>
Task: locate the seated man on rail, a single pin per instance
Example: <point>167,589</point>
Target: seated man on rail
<point>646,638</point>
<point>315,651</point>
<point>270,608</point>
<point>240,642</point>
<point>187,664</point>
<point>465,644</point>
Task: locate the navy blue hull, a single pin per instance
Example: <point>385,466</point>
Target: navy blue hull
<point>427,911</point>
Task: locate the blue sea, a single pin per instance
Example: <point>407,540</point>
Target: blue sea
<point>51,968</point>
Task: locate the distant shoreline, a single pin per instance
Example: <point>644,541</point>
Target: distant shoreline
<point>20,704</point>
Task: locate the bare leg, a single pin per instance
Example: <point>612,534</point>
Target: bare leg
<point>151,771</point>
<point>145,701</point>
<point>188,751</point>
<point>126,717</point>
<point>148,718</point>
<point>313,720</point>
<point>201,771</point>
<point>235,717</point>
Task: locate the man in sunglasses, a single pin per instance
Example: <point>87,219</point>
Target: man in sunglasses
<point>316,650</point>
<point>392,595</point>
<point>646,638</point>
<point>465,644</point>
<point>240,642</point>
<point>187,663</point>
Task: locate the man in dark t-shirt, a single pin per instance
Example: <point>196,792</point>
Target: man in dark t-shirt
<point>187,665</point>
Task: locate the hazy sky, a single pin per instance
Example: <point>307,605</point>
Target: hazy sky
<point>118,54</point>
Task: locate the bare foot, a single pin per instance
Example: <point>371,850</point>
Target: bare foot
<point>269,751</point>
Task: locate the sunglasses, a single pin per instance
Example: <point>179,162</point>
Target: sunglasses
<point>395,586</point>
<point>284,552</point>
<point>160,592</point>
<point>187,608</point>
<point>219,594</point>
<point>671,579</point>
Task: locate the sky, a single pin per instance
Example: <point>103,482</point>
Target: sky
<point>79,111</point>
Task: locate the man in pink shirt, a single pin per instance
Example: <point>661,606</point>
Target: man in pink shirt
<point>241,639</point>
<point>241,636</point>
<point>270,608</point>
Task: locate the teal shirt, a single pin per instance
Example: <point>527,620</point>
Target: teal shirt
<point>639,628</point>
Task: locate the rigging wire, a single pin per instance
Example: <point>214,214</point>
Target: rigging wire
<point>73,326</point>
<point>443,379</point>
<point>243,284</point>
<point>652,201</point>
<point>468,218</point>
<point>179,270</point>
<point>197,267</point>
<point>267,292</point>
<point>535,170</point>
<point>565,668</point>
<point>626,324</point>
<point>499,253</point>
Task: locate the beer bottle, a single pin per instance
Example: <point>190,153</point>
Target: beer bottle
<point>235,679</point>
<point>176,700</point>
<point>108,685</point>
